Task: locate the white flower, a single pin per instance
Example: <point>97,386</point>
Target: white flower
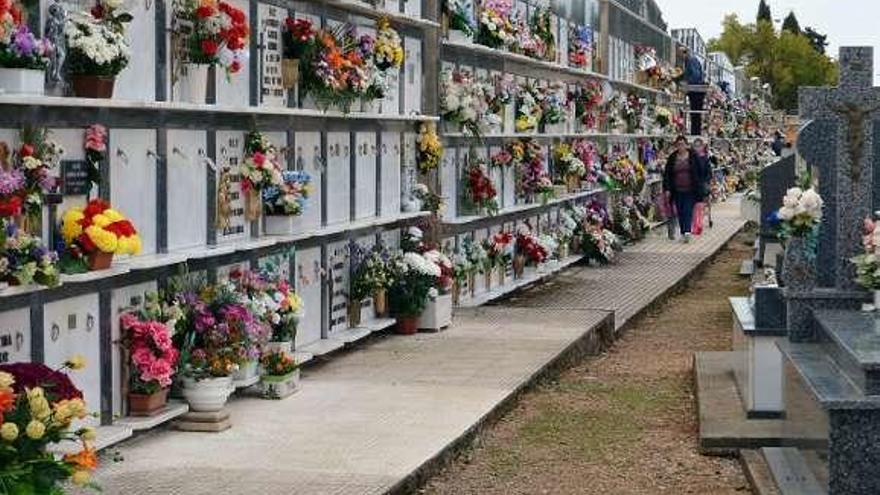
<point>812,202</point>
<point>433,293</point>
<point>792,197</point>
<point>415,233</point>
<point>786,213</point>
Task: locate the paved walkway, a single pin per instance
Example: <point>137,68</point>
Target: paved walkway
<point>364,422</point>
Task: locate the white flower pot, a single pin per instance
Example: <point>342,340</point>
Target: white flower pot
<point>456,36</point>
<point>510,118</point>
<point>23,81</point>
<point>279,387</point>
<point>246,371</point>
<point>192,87</point>
<point>437,313</point>
<point>282,347</point>
<point>278,224</point>
<point>208,395</point>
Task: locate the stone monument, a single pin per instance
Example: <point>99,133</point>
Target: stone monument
<point>833,349</point>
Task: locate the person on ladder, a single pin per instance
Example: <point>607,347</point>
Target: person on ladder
<point>693,76</point>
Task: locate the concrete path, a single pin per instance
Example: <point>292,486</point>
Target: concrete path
<point>374,419</point>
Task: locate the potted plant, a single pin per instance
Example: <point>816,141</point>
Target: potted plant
<point>414,277</point>
<point>280,376</point>
<point>298,37</point>
<point>273,301</point>
<point>93,234</point>
<point>152,359</point>
<point>97,50</point>
<point>282,203</point>
<point>260,171</point>
<point>868,263</point>
<point>205,34</point>
<point>438,309</point>
<point>23,58</point>
<point>797,221</point>
<point>38,406</point>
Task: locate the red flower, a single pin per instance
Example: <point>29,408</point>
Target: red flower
<point>95,207</point>
<point>98,11</point>
<point>56,384</point>
<point>10,207</point>
<point>204,11</point>
<point>122,228</point>
<point>235,14</point>
<point>235,66</point>
<point>87,245</point>
<point>26,150</point>
<point>210,47</point>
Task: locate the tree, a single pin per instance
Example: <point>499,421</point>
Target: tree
<point>817,39</point>
<point>790,24</point>
<point>764,13</point>
<point>786,60</point>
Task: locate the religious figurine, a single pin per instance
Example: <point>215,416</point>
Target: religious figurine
<point>54,33</point>
<point>224,203</point>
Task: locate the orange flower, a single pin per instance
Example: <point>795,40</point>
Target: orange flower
<point>335,58</point>
<point>85,459</point>
<point>7,402</point>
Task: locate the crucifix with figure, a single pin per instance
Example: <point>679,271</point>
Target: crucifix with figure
<point>842,141</point>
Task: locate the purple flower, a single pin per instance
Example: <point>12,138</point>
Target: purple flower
<point>23,42</point>
<point>11,181</point>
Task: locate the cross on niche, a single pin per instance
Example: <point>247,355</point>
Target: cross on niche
<point>840,142</point>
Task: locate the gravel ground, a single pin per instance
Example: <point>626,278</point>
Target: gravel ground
<point>620,423</point>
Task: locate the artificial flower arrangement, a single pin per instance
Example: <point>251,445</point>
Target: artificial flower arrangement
<point>554,104</point>
<point>26,183</point>
<point>429,200</point>
<point>479,189</point>
<point>462,101</point>
<point>388,50</point>
<point>210,32</point>
<point>296,39</point>
<point>529,113</point>
<point>93,234</point>
<point>542,29</point>
<point>525,42</point>
<point>278,364</point>
<point>663,118</point>
<point>501,158</point>
<point>19,48</point>
<point>528,245</point>
<point>580,46</point>
<point>461,270</point>
<point>429,147</point>
<point>459,16</point>
<point>288,198</point>
<point>495,29</point>
<point>631,111</point>
<point>599,244</point>
<point>443,284</point>
<point>587,99</point>
<point>38,406</point>
<point>533,179</point>
<point>499,250</point>
<point>503,93</point>
<point>97,50</point>
<point>623,174</point>
<point>477,257</point>
<point>415,278</point>
<point>868,263</point>
<point>260,170</point>
<point>371,276</point>
<point>800,213</point>
<point>25,260</point>
<point>569,165</point>
<point>152,361</point>
<point>588,153</point>
<point>272,301</point>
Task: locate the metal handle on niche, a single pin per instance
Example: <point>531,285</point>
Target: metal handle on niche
<point>207,159</point>
<point>176,151</point>
<point>54,332</point>
<point>90,322</point>
<point>155,156</point>
<point>121,155</point>
<point>19,341</point>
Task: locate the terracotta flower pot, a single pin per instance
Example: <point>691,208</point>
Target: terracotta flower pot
<point>89,86</point>
<point>99,260</point>
<point>147,405</point>
<point>380,303</point>
<point>407,325</point>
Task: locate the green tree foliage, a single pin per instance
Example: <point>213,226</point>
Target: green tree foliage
<point>785,59</point>
<point>817,39</point>
<point>764,12</point>
<point>791,24</point>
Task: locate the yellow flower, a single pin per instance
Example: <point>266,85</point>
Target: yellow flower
<point>70,227</point>
<point>113,215</point>
<point>9,432</point>
<point>39,407</point>
<point>106,241</point>
<point>101,220</point>
<point>88,434</point>
<point>76,362</point>
<point>35,430</point>
<point>78,407</point>
<point>6,380</point>
<point>80,477</point>
<point>33,393</point>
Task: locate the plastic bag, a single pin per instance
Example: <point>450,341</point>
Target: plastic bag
<point>699,211</point>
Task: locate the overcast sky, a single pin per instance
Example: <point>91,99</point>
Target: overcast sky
<point>847,22</point>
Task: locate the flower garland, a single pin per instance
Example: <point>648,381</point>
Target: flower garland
<point>388,50</point>
<point>217,35</point>
<point>97,227</point>
<point>479,189</point>
<point>580,46</point>
<point>429,147</point>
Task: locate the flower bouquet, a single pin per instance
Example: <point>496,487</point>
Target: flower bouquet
<point>274,303</point>
<point>479,189</point>
<point>478,261</point>
<point>461,271</point>
<point>152,359</point>
<point>280,376</point>
<point>438,309</point>
<point>414,279</point>
<point>868,263</point>
<point>97,50</point>
<point>260,170</point>
<point>93,234</point>
<point>623,174</point>
<point>37,408</point>
<point>529,251</point>
<point>296,39</point>
<point>798,221</point>
<point>542,29</point>
<point>495,29</point>
<point>23,58</point>
<point>499,250</point>
<point>569,166</point>
<point>533,178</point>
<point>588,153</point>
<point>371,276</point>
<point>24,260</point>
<point>430,150</point>
<point>580,46</point>
<point>554,108</point>
<point>587,102</point>
<point>529,112</point>
<point>285,201</point>
<point>95,147</point>
<point>462,101</point>
<point>459,19</point>
<point>36,158</point>
<point>599,244</point>
<point>205,33</point>
<point>631,112</point>
<point>388,50</point>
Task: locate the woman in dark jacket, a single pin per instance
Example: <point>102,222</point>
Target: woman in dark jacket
<point>682,184</point>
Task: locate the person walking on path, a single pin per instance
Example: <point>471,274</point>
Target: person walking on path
<point>693,76</point>
<point>681,184</point>
<point>778,143</point>
<point>704,176</point>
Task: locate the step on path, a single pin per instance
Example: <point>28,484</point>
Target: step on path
<point>379,418</point>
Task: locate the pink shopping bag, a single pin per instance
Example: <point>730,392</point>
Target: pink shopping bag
<point>699,211</point>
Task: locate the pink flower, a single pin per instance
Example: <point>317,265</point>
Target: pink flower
<point>96,138</point>
<point>142,357</point>
<point>259,159</point>
<point>160,371</point>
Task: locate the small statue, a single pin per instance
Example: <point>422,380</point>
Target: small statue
<point>224,203</point>
<point>54,33</point>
